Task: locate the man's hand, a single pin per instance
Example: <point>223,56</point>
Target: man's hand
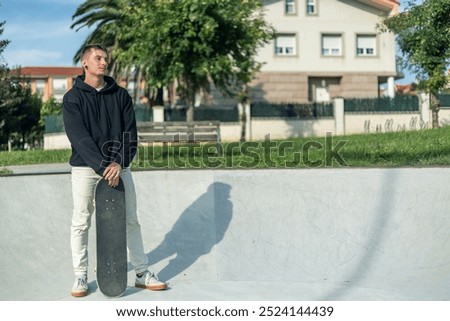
<point>112,174</point>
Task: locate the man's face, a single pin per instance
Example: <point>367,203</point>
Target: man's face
<point>95,62</point>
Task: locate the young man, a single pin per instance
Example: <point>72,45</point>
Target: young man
<point>100,124</point>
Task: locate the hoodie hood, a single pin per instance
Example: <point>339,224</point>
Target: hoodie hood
<point>110,85</point>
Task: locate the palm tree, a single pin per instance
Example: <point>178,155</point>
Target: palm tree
<point>106,16</point>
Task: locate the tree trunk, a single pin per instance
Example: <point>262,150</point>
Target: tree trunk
<point>191,104</point>
<point>244,100</point>
<point>435,106</point>
<point>244,125</point>
<point>137,86</point>
<point>190,112</point>
<point>160,96</point>
<point>435,115</point>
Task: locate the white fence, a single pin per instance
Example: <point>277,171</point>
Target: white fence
<point>282,128</point>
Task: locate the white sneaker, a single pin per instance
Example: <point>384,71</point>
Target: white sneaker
<point>80,287</point>
<point>149,281</point>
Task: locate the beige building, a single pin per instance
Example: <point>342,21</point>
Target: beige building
<point>325,49</point>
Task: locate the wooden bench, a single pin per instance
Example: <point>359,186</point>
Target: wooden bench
<point>179,132</point>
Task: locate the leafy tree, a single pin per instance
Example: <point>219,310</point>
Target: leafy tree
<point>4,89</point>
<point>19,109</point>
<point>107,16</point>
<point>20,113</point>
<point>50,107</point>
<point>423,35</point>
<point>27,129</point>
<point>194,42</point>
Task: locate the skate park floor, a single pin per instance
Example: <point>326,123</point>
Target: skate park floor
<point>227,235</point>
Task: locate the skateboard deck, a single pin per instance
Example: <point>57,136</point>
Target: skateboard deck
<point>111,238</point>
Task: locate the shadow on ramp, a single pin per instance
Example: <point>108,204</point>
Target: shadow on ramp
<point>196,231</point>
<point>375,238</point>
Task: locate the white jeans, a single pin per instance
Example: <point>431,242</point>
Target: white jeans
<point>84,180</point>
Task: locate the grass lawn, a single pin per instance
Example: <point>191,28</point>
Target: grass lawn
<point>418,148</point>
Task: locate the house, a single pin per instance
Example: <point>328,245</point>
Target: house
<point>408,89</point>
<point>49,81</point>
<point>325,49</point>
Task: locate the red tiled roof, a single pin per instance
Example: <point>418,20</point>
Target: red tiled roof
<point>406,89</point>
<point>393,1</point>
<point>49,71</point>
<point>382,4</point>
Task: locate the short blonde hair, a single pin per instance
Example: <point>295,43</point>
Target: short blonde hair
<point>89,47</point>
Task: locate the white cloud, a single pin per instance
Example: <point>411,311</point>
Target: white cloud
<point>32,57</point>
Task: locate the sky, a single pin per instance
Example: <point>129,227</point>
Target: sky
<point>39,31</point>
<point>40,34</point>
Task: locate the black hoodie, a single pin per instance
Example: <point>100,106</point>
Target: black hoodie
<point>100,125</point>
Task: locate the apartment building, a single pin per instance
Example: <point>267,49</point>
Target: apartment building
<point>55,81</point>
<point>325,49</point>
<point>50,81</point>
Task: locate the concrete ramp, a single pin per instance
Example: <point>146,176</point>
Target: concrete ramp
<point>319,234</point>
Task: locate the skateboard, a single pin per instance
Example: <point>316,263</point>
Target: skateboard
<point>111,238</point>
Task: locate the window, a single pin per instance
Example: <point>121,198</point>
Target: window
<point>59,85</point>
<point>59,88</point>
<point>332,45</point>
<point>311,7</point>
<point>366,45</point>
<point>289,6</point>
<point>285,45</point>
<point>40,85</point>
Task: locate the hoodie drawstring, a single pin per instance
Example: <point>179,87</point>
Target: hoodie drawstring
<point>97,106</point>
<point>110,84</point>
<point>97,103</point>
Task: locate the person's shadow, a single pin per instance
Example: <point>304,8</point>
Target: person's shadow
<point>202,225</point>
